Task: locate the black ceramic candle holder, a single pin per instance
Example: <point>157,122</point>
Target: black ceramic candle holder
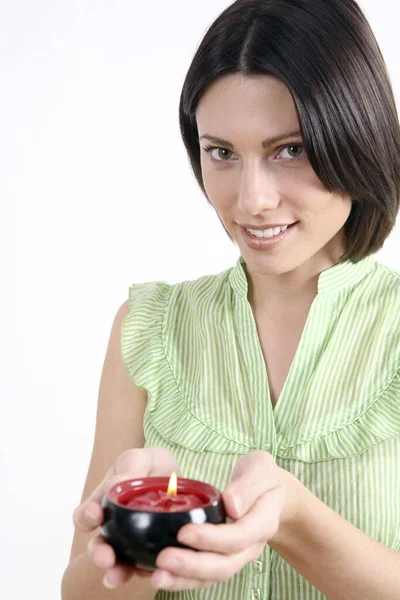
<point>138,534</point>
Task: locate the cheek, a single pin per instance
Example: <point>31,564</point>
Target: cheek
<point>333,214</point>
<point>319,202</point>
<point>220,191</point>
<point>309,190</point>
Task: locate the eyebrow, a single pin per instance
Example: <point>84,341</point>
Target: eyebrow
<point>265,144</point>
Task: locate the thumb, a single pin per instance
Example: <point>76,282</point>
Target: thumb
<point>135,463</point>
<point>163,462</point>
<point>131,464</point>
<point>253,475</point>
<point>90,513</point>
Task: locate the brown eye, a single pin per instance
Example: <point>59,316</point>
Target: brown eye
<point>219,153</point>
<point>221,150</point>
<point>295,151</point>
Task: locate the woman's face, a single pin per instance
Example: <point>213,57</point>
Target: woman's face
<point>249,184</point>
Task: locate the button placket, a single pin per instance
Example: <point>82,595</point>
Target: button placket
<point>259,567</point>
<point>256,594</point>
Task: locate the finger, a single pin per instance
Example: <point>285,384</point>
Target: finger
<point>254,474</point>
<point>103,556</point>
<point>165,580</point>
<point>131,463</point>
<point>142,462</point>
<point>258,525</point>
<point>89,514</point>
<point>207,566</point>
<point>163,462</point>
<point>146,462</point>
<point>101,553</point>
<point>118,575</point>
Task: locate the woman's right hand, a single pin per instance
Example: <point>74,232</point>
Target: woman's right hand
<point>88,516</point>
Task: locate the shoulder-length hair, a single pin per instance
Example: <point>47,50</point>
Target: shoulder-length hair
<point>327,55</point>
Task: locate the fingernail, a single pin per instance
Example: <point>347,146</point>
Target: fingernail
<point>93,520</point>
<point>108,584</point>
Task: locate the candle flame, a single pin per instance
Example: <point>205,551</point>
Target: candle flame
<point>172,485</point>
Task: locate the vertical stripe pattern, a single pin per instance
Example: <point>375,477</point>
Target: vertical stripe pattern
<point>194,347</point>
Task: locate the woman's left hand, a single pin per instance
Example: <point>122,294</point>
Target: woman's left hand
<point>260,500</point>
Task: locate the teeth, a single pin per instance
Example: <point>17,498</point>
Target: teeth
<point>267,233</point>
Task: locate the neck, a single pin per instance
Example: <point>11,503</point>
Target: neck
<point>299,286</point>
<point>274,294</point>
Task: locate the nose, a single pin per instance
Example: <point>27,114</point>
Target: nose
<point>258,191</point>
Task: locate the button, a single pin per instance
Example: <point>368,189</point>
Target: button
<point>258,566</point>
<point>256,594</point>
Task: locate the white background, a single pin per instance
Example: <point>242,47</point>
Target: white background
<point>96,194</point>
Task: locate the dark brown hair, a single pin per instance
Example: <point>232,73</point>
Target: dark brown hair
<point>327,55</point>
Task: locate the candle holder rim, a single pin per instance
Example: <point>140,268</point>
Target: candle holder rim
<point>214,494</point>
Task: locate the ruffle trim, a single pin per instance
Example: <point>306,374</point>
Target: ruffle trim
<point>149,366</point>
<point>379,423</point>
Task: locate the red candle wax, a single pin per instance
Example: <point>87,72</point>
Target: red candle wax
<point>151,495</point>
<point>162,501</point>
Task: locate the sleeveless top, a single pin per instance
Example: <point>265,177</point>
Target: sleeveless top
<point>194,347</point>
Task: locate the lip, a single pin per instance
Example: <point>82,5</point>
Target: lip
<point>268,226</point>
<point>265,243</point>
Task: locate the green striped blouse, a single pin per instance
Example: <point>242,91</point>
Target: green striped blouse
<point>194,347</point>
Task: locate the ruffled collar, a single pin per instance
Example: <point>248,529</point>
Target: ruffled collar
<point>333,279</point>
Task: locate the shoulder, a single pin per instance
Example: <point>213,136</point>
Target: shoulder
<point>122,311</point>
<point>159,319</point>
<point>385,283</point>
<point>389,273</point>
<point>164,293</point>
<point>206,284</point>
<point>380,309</point>
<point>376,302</point>
<point>384,269</point>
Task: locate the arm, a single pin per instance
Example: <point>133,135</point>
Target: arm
<point>119,427</point>
<point>83,581</point>
<point>335,556</point>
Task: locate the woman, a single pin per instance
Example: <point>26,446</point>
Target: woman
<point>278,380</point>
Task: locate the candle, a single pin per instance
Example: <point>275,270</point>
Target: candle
<point>161,501</point>
<point>143,516</point>
<point>168,500</point>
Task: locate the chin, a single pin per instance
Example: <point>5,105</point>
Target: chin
<point>265,264</point>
